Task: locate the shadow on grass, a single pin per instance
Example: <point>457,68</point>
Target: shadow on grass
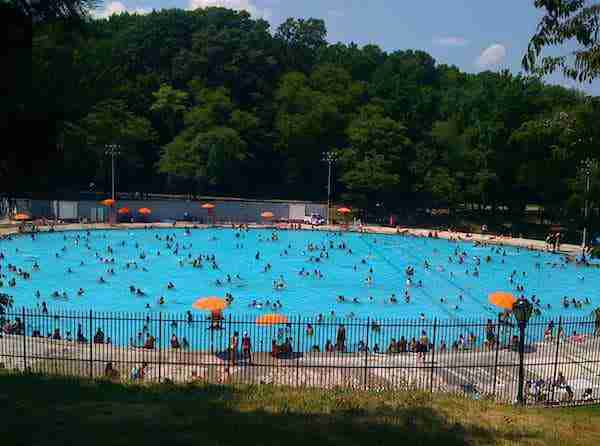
<point>54,411</point>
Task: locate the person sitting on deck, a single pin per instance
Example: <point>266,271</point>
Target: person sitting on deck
<point>139,374</point>
<point>393,347</point>
<point>150,342</point>
<point>175,341</point>
<point>577,337</point>
<point>110,372</point>
<point>215,321</point>
<point>561,383</point>
<point>402,345</point>
<point>99,337</point>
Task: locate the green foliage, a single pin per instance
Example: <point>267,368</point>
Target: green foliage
<point>170,104</point>
<point>210,148</point>
<point>565,21</point>
<point>211,101</point>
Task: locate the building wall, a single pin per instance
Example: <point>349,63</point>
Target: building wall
<point>241,211</point>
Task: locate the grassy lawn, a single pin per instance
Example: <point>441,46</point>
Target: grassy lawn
<point>46,411</point>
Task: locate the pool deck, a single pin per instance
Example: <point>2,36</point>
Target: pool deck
<point>451,372</point>
<point>539,245</point>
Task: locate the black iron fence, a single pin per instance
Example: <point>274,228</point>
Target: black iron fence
<point>478,358</point>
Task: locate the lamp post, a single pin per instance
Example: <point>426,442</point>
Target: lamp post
<point>330,158</point>
<point>522,310</point>
<point>587,167</point>
<point>113,150</point>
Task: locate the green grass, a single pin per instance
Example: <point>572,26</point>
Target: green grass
<point>36,410</point>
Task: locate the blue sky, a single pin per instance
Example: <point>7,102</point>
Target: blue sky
<point>471,34</point>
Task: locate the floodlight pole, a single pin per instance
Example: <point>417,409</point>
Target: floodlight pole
<point>329,158</point>
<point>587,166</point>
<point>112,150</point>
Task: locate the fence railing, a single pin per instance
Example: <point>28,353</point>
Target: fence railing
<point>478,358</point>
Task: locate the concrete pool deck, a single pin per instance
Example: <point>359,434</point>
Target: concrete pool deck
<point>490,372</point>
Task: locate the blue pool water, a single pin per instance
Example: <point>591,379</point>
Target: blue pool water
<point>343,273</point>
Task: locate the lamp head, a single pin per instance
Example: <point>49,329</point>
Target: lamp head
<point>522,310</point>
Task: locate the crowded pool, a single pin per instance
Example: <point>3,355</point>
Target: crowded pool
<point>312,274</point>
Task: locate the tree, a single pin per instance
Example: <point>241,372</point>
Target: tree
<point>47,10</point>
<point>308,122</point>
<point>300,40</point>
<point>170,104</point>
<point>110,122</point>
<point>210,149</point>
<point>564,21</point>
<point>374,163</point>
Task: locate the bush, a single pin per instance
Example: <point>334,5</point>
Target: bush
<point>596,252</point>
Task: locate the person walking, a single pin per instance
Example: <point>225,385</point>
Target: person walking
<point>340,343</point>
<point>247,348</point>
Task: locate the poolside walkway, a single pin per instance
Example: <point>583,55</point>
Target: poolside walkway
<point>489,372</point>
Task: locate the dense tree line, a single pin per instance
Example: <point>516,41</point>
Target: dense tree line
<point>214,101</point>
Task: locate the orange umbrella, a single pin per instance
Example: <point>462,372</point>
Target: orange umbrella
<point>344,210</point>
<point>272,319</point>
<point>123,211</point>
<point>267,214</point>
<point>213,304</point>
<point>208,206</point>
<point>108,202</point>
<point>502,299</point>
<point>144,211</point>
<point>22,217</point>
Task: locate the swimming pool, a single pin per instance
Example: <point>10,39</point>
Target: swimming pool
<point>69,261</point>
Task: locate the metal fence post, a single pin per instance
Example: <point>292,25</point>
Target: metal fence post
<point>24,341</point>
<point>521,388</point>
<point>160,339</point>
<point>497,354</point>
<point>298,351</point>
<point>228,345</point>
<point>433,355</point>
<point>367,346</point>
<point>556,355</point>
<point>91,337</point>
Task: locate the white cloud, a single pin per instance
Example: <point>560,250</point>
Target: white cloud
<point>238,5</point>
<point>451,41</point>
<point>491,56</point>
<point>117,8</point>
